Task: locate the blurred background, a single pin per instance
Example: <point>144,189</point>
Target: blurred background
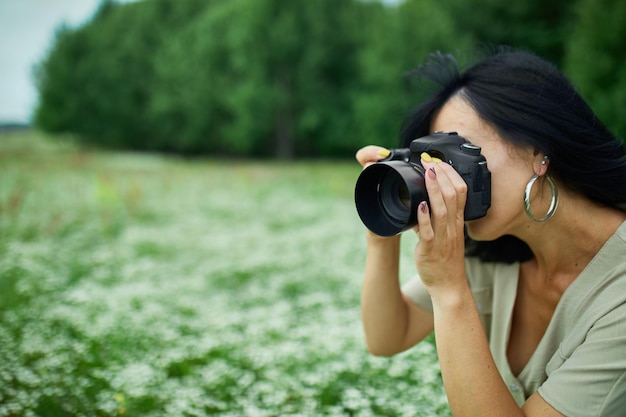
<point>136,281</point>
<point>270,78</point>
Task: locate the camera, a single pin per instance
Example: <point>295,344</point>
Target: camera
<point>388,192</point>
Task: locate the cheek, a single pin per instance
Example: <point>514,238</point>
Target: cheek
<point>507,205</point>
<point>506,192</point>
<point>508,180</point>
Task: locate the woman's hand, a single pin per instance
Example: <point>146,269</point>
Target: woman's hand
<point>371,154</point>
<point>367,156</point>
<point>439,255</point>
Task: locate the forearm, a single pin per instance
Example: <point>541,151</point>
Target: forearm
<point>382,305</point>
<point>473,384</point>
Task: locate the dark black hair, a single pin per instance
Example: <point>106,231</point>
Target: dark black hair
<point>529,103</point>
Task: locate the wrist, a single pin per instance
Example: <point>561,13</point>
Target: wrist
<point>455,298</point>
<point>373,238</point>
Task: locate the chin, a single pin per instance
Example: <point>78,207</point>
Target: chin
<point>479,230</point>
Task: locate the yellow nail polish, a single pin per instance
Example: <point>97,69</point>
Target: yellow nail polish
<point>436,160</point>
<point>425,157</point>
<point>384,152</point>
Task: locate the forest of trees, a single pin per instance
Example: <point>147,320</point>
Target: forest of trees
<point>298,78</point>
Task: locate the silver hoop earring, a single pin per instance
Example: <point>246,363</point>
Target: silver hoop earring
<point>554,202</point>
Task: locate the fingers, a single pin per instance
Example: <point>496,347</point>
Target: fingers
<point>371,154</point>
<point>424,228</point>
<point>439,252</point>
<point>447,193</point>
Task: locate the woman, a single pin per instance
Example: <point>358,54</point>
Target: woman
<point>529,310</point>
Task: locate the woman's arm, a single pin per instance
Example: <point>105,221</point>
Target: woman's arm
<point>473,384</point>
<point>392,323</point>
<point>472,381</point>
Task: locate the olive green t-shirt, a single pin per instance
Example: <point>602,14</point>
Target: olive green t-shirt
<point>579,366</point>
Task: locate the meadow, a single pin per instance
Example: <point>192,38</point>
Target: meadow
<point>149,285</point>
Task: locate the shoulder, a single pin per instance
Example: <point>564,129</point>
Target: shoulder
<point>589,377</point>
<point>614,251</point>
<point>587,373</point>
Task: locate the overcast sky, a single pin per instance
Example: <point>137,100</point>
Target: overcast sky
<point>26,32</point>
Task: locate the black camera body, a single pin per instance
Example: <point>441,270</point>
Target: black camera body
<point>388,192</point>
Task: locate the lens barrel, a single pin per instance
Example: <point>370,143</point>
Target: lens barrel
<point>387,195</point>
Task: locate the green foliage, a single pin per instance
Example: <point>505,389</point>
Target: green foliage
<point>297,78</point>
<point>396,40</point>
<point>260,78</point>
<point>56,77</point>
<point>595,59</point>
<point>140,285</point>
<point>537,25</point>
<point>97,83</point>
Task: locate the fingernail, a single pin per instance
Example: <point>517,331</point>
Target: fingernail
<point>432,174</point>
<point>436,160</point>
<point>423,207</point>
<point>384,152</point>
<point>425,157</point>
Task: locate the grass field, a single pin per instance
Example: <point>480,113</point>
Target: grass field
<point>145,285</point>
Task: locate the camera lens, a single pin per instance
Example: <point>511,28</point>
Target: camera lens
<point>387,194</point>
<point>394,197</point>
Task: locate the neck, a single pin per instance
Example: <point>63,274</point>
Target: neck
<point>566,243</point>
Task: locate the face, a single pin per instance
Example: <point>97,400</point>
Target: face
<point>510,167</point>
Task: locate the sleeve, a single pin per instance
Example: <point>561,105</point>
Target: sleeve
<point>480,278</point>
<point>416,292</point>
<point>591,381</point>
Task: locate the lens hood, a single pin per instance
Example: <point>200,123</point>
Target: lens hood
<point>387,195</point>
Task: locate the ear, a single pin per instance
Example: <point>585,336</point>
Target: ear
<point>541,163</point>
